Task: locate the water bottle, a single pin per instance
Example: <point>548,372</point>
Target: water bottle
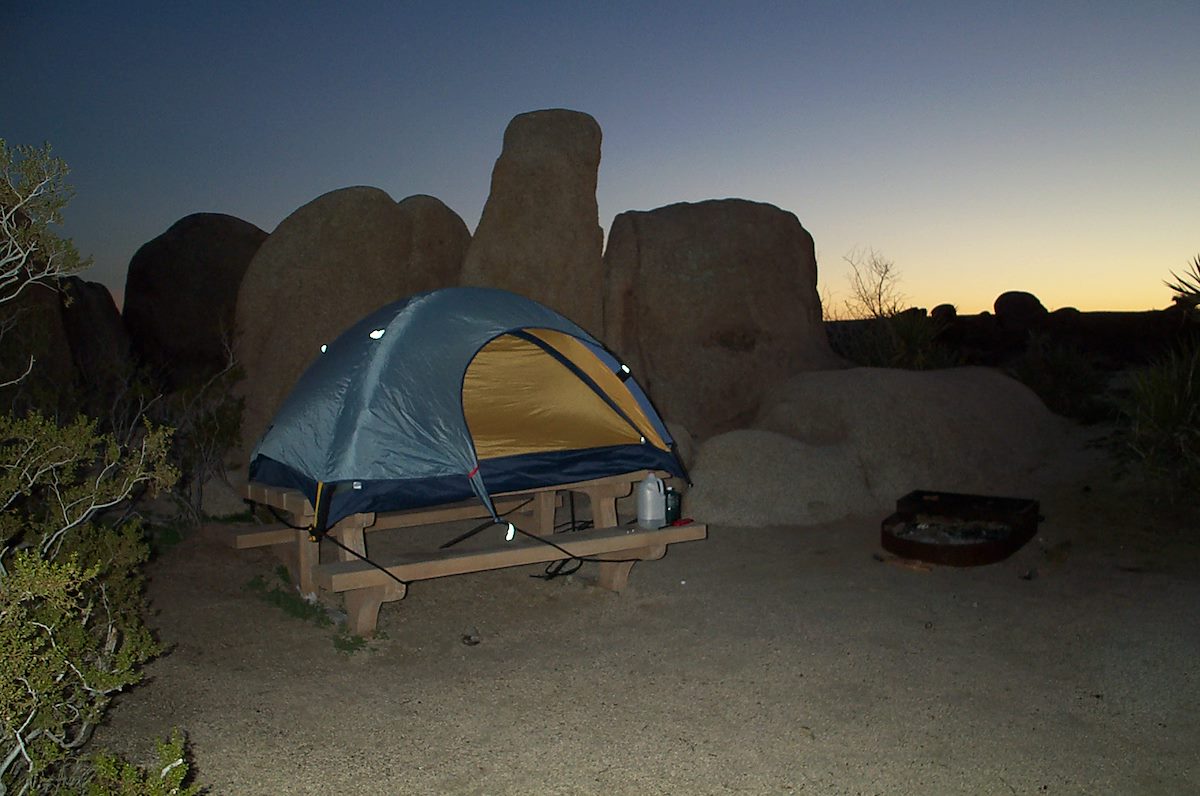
<point>674,505</point>
<point>651,502</point>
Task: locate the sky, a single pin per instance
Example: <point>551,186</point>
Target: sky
<point>1052,147</point>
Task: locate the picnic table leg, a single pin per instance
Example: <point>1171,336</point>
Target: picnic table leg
<point>350,534</point>
<point>287,553</point>
<point>543,512</point>
<point>614,575</point>
<point>362,606</point>
<point>307,556</point>
<point>604,507</point>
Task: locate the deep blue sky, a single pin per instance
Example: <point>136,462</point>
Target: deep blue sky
<point>1050,147</point>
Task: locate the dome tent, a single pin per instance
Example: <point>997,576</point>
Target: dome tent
<point>453,393</point>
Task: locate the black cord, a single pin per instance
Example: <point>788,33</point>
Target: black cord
<point>570,556</point>
<point>555,569</point>
<point>275,513</point>
<point>485,524</point>
<point>361,557</point>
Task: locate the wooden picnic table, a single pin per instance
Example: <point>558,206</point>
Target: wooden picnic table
<point>366,585</point>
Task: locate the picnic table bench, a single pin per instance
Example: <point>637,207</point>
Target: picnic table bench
<point>366,585</point>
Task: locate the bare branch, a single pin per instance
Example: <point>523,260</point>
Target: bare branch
<point>873,285</point>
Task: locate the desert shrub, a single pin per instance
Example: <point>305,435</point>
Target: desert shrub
<point>71,605</point>
<point>878,332</point>
<point>207,418</point>
<point>907,340</point>
<point>1159,427</point>
<point>874,285</point>
<point>71,627</point>
<point>1068,381</point>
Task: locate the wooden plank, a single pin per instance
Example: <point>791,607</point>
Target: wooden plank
<point>243,537</point>
<point>289,500</point>
<point>347,575</point>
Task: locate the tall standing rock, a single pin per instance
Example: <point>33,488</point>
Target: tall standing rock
<point>337,258</point>
<point>180,294</point>
<point>712,304</point>
<point>540,231</point>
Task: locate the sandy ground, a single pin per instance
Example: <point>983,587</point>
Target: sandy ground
<point>772,660</point>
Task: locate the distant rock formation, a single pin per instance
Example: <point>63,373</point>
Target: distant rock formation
<point>540,234</point>
<point>944,312</point>
<point>180,294</point>
<point>81,355</point>
<point>332,261</point>
<point>712,304</point>
<point>830,444</point>
<point>100,346</point>
<point>34,329</point>
<point>1018,311</point>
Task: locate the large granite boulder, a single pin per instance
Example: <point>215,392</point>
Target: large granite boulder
<point>98,340</point>
<point>180,294</point>
<point>712,304</point>
<point>755,478</point>
<point>329,263</point>
<point>829,444</point>
<point>540,234</point>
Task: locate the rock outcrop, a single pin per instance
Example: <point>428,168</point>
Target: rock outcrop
<point>180,294</point>
<point>329,263</point>
<point>540,234</point>
<point>712,304</point>
<point>830,444</point>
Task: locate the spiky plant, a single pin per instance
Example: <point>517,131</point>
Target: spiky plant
<point>1187,286</point>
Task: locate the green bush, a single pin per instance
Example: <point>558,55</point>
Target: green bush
<point>115,777</point>
<point>71,627</point>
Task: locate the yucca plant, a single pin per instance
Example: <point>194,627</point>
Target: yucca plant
<point>1187,285</point>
